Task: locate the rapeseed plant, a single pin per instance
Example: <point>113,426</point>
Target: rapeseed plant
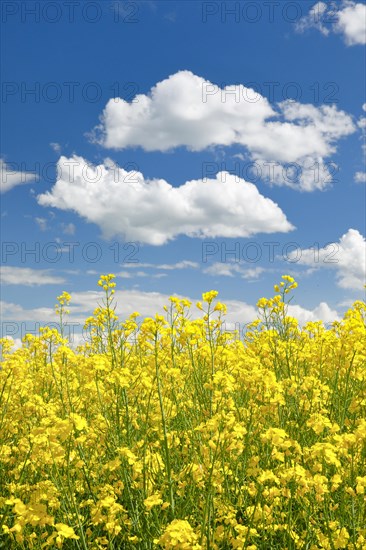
<point>172,434</point>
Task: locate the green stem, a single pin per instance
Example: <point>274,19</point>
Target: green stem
<point>163,418</point>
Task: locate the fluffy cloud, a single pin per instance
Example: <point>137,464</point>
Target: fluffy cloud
<point>352,23</point>
<point>362,123</point>
<point>83,304</point>
<point>347,257</point>
<point>187,110</point>
<point>124,204</point>
<point>322,312</point>
<point>28,277</point>
<point>311,174</point>
<point>18,321</point>
<point>10,176</point>
<point>16,313</point>
<point>360,177</point>
<point>16,342</point>
<point>349,20</point>
<point>315,19</point>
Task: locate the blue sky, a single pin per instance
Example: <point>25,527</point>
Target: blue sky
<point>164,135</point>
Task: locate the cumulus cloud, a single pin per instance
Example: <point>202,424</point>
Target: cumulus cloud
<point>11,176</point>
<point>147,304</point>
<point>28,277</point>
<point>16,313</point>
<point>187,110</point>
<point>347,19</point>
<point>347,257</point>
<point>240,314</point>
<point>83,304</point>
<point>352,23</point>
<point>322,312</point>
<point>155,212</point>
<point>16,342</point>
<point>312,173</point>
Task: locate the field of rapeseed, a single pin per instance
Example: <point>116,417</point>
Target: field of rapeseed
<point>172,433</point>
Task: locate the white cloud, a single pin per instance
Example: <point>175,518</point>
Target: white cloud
<point>56,147</point>
<point>346,303</point>
<point>360,177</point>
<point>42,223</point>
<point>28,277</point>
<point>240,314</point>
<point>155,212</point>
<point>187,110</point>
<point>16,313</point>
<point>230,269</point>
<point>352,23</point>
<point>252,273</point>
<point>129,275</point>
<point>124,275</point>
<point>362,123</point>
<point>239,156</point>
<point>11,176</point>
<point>147,304</point>
<point>347,257</point>
<point>322,312</point>
<point>16,342</point>
<point>349,20</point>
<point>83,304</point>
<point>137,265</point>
<point>68,228</point>
<point>183,109</point>
<point>184,264</point>
<point>315,18</point>
<point>222,269</point>
<point>309,175</point>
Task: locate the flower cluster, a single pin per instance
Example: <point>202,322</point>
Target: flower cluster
<point>171,434</point>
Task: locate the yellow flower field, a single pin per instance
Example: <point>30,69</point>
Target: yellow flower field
<point>172,433</point>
